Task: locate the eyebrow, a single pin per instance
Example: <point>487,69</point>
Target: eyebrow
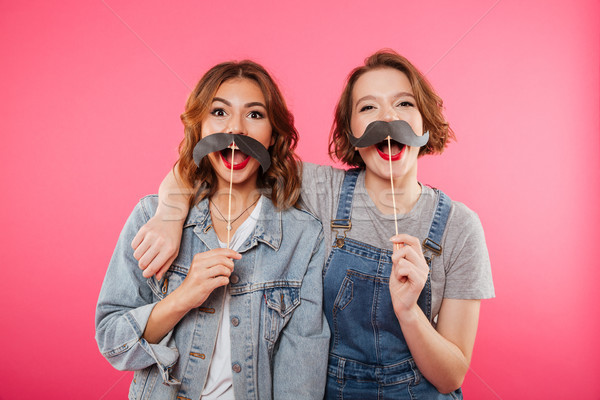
<point>247,105</point>
<point>371,97</point>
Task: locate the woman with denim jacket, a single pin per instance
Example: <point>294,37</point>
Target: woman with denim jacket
<point>403,311</point>
<point>239,312</point>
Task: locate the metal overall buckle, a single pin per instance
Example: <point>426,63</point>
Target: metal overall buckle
<point>435,248</point>
<point>336,224</point>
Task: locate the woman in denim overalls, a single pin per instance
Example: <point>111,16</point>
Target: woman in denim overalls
<point>400,330</point>
<point>378,301</point>
<point>369,357</point>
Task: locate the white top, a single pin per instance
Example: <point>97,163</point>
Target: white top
<point>219,383</point>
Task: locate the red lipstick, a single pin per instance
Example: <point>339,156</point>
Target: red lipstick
<point>387,157</point>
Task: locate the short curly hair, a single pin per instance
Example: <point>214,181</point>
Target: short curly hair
<point>429,103</point>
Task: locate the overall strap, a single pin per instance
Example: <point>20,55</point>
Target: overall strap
<point>344,210</point>
<point>438,225</point>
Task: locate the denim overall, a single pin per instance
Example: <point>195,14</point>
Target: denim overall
<point>368,355</point>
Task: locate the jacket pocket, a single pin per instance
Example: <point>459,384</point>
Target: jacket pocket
<point>280,303</point>
<point>170,281</point>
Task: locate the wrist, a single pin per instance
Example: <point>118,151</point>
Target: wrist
<point>408,315</point>
<point>176,305</point>
<point>174,213</point>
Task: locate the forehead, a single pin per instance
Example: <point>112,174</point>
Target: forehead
<point>240,88</point>
<point>381,82</point>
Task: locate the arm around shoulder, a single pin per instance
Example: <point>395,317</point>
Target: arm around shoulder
<point>156,243</point>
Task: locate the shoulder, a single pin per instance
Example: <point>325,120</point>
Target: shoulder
<point>315,173</point>
<point>320,186</point>
<point>148,205</point>
<point>462,217</point>
<point>464,238</point>
<point>142,212</point>
<point>306,219</point>
<point>300,226</point>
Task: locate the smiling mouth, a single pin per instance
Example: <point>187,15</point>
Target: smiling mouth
<point>384,150</point>
<point>239,159</point>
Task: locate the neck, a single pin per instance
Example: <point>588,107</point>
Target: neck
<point>242,196</point>
<point>405,194</point>
<point>242,200</point>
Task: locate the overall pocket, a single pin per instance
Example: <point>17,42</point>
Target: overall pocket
<point>345,295</point>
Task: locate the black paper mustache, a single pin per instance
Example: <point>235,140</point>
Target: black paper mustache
<point>399,130</point>
<point>221,141</point>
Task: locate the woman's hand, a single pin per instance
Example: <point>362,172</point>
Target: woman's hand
<point>156,245</point>
<point>209,270</point>
<point>409,274</point>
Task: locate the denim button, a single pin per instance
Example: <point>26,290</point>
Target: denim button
<point>236,368</point>
<point>235,321</point>
<point>234,279</point>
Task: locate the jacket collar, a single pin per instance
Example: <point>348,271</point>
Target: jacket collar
<point>268,227</point>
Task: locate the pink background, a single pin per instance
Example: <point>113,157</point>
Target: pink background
<point>90,102</point>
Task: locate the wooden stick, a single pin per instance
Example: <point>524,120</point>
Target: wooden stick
<point>229,227</point>
<point>392,185</point>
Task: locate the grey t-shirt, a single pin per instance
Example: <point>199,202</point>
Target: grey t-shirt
<point>463,269</point>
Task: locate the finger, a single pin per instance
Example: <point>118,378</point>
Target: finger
<point>401,272</point>
<point>158,262</point>
<point>224,261</point>
<point>219,270</point>
<point>152,267</point>
<point>148,256</point>
<point>229,253</point>
<point>205,264</point>
<point>221,251</point>
<point>202,260</point>
<point>410,254</point>
<point>407,240</point>
<point>401,253</point>
<point>138,238</point>
<point>141,249</point>
<point>218,282</point>
<point>165,267</point>
<point>406,270</point>
<point>206,276</point>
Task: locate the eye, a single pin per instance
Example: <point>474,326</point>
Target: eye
<point>256,115</point>
<point>366,108</point>
<point>218,112</point>
<point>405,104</point>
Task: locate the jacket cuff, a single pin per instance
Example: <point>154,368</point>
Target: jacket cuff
<point>165,352</point>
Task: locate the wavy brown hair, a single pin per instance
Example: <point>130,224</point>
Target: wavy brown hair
<point>429,104</point>
<point>282,177</point>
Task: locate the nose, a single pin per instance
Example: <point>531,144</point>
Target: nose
<point>390,114</point>
<point>235,125</point>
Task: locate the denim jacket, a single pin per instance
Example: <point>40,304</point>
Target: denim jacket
<point>279,335</point>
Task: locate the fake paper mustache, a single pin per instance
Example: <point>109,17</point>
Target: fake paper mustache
<point>400,131</point>
<point>221,141</point>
